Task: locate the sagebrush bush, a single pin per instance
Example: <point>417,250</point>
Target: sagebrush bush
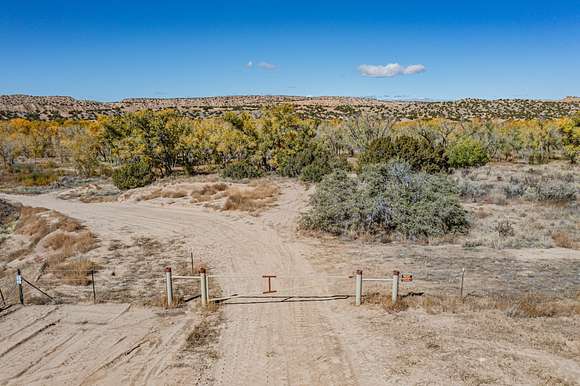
<point>385,199</point>
<point>133,175</point>
<point>239,170</point>
<point>466,152</point>
<point>514,190</point>
<point>547,188</point>
<point>552,190</point>
<point>419,153</point>
<point>473,190</point>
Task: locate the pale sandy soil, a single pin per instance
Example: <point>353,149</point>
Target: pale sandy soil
<point>97,344</point>
<point>280,341</point>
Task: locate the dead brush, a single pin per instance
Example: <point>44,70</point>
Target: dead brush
<point>151,195</point>
<point>386,302</point>
<point>201,335</point>
<point>262,195</point>
<point>69,244</point>
<point>68,224</point>
<point>184,267</point>
<point>161,301</point>
<point>33,223</point>
<point>205,333</point>
<point>174,194</point>
<point>563,240</point>
<point>515,306</point>
<point>207,191</point>
<point>76,272</point>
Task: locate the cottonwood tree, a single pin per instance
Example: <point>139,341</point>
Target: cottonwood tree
<point>365,128</point>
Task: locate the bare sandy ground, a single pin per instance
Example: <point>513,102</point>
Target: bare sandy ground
<point>282,341</point>
<point>95,344</point>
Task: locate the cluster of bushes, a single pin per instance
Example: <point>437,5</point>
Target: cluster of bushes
<point>133,175</point>
<point>32,175</point>
<point>545,188</point>
<point>419,153</point>
<point>240,169</point>
<point>386,199</point>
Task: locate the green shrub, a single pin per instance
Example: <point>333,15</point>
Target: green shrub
<point>38,178</point>
<point>31,175</point>
<point>315,171</point>
<point>385,199</point>
<point>133,175</point>
<point>417,152</point>
<point>239,170</point>
<point>466,152</point>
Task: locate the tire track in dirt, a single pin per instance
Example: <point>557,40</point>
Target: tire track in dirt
<point>269,343</point>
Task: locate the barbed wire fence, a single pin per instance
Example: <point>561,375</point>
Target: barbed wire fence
<point>61,285</point>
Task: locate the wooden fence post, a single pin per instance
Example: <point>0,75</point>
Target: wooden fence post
<point>192,271</point>
<point>19,284</point>
<point>169,286</point>
<point>461,288</point>
<point>395,291</point>
<point>203,287</point>
<point>358,288</point>
<point>93,281</point>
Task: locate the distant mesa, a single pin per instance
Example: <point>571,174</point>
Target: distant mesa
<point>318,107</point>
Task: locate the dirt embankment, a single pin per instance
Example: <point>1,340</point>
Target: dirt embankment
<point>39,241</point>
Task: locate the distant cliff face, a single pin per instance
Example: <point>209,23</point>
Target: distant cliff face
<point>63,107</point>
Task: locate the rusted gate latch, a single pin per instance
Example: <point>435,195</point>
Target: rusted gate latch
<point>269,277</point>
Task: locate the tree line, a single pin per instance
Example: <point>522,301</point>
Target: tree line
<point>145,145</point>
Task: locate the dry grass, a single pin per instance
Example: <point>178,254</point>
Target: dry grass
<point>534,220</point>
<point>260,196</point>
<point>207,192</point>
<point>563,240</point>
<point>33,223</point>
<point>65,244</point>
<point>481,213</point>
<point>59,238</point>
<point>206,333</point>
<point>184,267</point>
<point>156,301</point>
<point>386,302</point>
<point>524,306</point>
<point>76,272</point>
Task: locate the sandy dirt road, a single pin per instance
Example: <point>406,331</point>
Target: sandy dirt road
<point>290,342</point>
<point>282,342</point>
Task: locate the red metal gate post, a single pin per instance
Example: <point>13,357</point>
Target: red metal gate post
<point>269,277</point>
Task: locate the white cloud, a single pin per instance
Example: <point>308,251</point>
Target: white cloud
<point>250,64</point>
<point>414,69</point>
<point>389,70</point>
<point>266,65</point>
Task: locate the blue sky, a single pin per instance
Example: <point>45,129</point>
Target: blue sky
<point>109,50</point>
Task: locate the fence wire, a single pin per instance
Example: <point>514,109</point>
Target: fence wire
<point>112,285</point>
